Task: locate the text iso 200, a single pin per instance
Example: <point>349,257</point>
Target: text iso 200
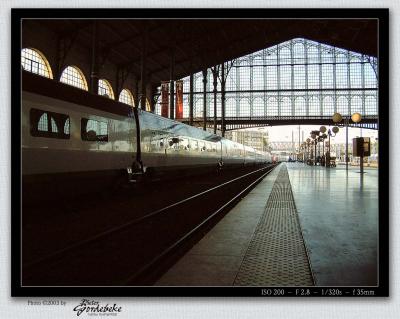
<point>272,292</point>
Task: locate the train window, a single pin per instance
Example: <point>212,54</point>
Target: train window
<point>47,124</point>
<point>93,130</point>
<point>202,146</point>
<point>193,145</point>
<point>66,127</point>
<point>42,125</point>
<point>54,127</point>
<point>183,144</point>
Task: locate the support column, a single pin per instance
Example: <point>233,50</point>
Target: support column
<point>223,81</point>
<point>143,71</point>
<point>347,142</point>
<point>204,99</point>
<point>191,102</point>
<point>215,77</point>
<point>306,76</point>
<point>334,82</point>
<point>136,92</point>
<point>321,106</point>
<point>94,75</point>
<point>172,85</point>
<point>292,97</point>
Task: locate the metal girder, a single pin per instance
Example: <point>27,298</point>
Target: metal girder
<point>367,122</point>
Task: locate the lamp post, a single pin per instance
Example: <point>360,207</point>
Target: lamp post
<point>315,136</point>
<point>332,133</point>
<point>308,149</point>
<point>322,129</point>
<point>356,118</point>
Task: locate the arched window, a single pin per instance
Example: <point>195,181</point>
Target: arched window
<point>272,107</point>
<point>244,107</point>
<point>148,107</point>
<point>126,97</point>
<point>314,106</point>
<point>328,106</point>
<point>105,89</point>
<point>300,107</point>
<point>356,105</point>
<point>343,105</point>
<point>74,77</point>
<point>258,107</point>
<point>34,61</point>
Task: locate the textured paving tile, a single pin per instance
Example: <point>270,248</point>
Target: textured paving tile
<point>215,260</point>
<point>276,255</point>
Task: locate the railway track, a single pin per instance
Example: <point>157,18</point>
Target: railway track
<point>137,251</point>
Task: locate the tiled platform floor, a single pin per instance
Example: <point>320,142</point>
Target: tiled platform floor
<point>338,214</point>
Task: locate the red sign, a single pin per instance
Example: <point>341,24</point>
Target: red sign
<point>179,99</point>
<point>164,98</point>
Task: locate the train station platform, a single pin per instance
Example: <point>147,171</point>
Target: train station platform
<point>300,226</point>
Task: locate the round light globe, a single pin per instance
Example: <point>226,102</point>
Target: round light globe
<point>356,117</point>
<point>335,129</point>
<point>322,129</point>
<point>337,117</point>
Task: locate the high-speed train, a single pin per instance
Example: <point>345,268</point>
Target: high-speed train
<point>72,140</point>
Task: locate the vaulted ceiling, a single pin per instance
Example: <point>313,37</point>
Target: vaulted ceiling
<point>199,43</point>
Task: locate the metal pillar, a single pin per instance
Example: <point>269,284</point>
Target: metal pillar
<point>315,152</point>
<point>223,81</point>
<point>143,71</point>
<point>299,139</point>
<point>204,99</point>
<point>136,93</point>
<point>215,77</point>
<point>361,164</point>
<point>329,152</point>
<point>293,147</point>
<point>94,75</point>
<point>347,143</point>
<point>191,96</point>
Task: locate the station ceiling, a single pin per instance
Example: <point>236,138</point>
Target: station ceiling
<point>203,43</point>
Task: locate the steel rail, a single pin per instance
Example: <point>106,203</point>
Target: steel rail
<point>133,222</point>
<point>172,247</point>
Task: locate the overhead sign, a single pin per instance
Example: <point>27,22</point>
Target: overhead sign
<point>361,146</point>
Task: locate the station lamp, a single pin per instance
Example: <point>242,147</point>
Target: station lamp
<point>356,118</point>
<point>337,117</point>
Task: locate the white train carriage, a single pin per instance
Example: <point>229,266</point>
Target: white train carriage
<point>73,140</point>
